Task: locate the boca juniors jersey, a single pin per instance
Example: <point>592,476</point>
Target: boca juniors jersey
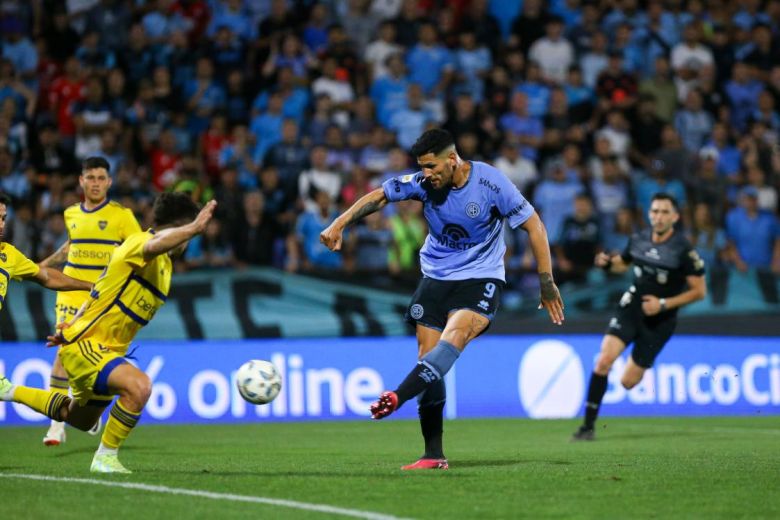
<point>465,225</point>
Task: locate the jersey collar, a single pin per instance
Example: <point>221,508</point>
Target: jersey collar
<point>468,179</point>
<point>96,208</point>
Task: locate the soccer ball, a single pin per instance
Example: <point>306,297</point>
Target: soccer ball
<point>258,381</point>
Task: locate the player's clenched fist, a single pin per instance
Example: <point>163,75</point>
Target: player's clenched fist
<point>331,237</point>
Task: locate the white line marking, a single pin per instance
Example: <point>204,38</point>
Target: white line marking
<point>320,508</point>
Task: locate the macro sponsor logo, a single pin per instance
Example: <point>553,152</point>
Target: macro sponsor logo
<point>453,236</point>
<point>551,380</point>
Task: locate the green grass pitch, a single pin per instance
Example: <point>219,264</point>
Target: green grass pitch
<point>637,468</point>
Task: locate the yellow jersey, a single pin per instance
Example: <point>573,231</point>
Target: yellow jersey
<point>125,297</point>
<point>13,265</point>
<point>93,236</point>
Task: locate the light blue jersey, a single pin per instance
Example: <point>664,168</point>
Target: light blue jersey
<point>465,232</point>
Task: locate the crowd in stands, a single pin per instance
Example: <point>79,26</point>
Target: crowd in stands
<point>286,112</point>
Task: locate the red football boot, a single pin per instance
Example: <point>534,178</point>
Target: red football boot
<point>384,406</point>
<point>428,464</point>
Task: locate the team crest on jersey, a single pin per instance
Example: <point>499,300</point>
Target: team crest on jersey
<point>416,311</point>
<point>102,224</point>
<point>3,257</point>
<point>662,276</point>
<point>407,178</point>
<point>472,209</point>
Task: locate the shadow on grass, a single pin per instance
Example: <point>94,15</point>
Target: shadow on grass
<point>382,473</point>
<point>613,435</point>
<point>68,452</point>
<point>474,463</point>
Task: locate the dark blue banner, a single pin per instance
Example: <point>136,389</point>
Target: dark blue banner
<point>497,376</point>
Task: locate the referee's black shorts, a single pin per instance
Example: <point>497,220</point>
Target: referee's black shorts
<point>649,334</point>
<point>434,300</point>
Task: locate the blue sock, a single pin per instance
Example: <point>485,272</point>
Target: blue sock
<point>431,368</point>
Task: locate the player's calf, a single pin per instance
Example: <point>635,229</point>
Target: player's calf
<point>51,404</point>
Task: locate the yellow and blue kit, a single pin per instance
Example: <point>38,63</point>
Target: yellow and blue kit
<point>13,265</point>
<point>125,297</point>
<point>93,234</point>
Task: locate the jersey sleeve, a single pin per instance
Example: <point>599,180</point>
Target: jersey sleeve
<point>132,249</point>
<point>404,187</point>
<point>692,264</point>
<point>129,224</point>
<point>511,203</point>
<point>23,267</point>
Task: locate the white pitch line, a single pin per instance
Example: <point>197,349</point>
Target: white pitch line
<point>320,508</point>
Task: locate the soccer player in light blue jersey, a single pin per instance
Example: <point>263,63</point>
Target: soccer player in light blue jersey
<point>462,260</point>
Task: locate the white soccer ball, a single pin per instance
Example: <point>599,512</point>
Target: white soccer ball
<point>258,381</point>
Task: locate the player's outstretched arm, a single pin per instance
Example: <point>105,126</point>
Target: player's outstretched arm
<point>365,205</point>
<point>550,296</point>
<point>613,264</point>
<point>54,279</point>
<point>57,258</point>
<point>168,239</point>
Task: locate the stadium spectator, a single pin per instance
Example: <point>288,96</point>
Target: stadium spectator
<point>318,178</point>
<point>521,171</point>
<point>578,242</point>
<point>554,198</point>
<point>524,128</point>
<point>553,52</point>
<point>305,250</point>
<point>753,234</point>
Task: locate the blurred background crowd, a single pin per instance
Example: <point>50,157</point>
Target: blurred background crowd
<point>286,112</point>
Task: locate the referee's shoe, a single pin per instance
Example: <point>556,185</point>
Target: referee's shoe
<point>584,434</point>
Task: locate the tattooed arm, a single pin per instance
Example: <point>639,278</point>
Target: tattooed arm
<point>57,258</point>
<point>550,296</point>
<point>365,205</point>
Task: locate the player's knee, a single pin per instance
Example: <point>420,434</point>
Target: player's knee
<point>629,382</point>
<point>457,337</point>
<point>140,389</point>
<point>603,364</point>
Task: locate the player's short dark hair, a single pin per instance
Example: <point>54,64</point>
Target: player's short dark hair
<point>666,196</point>
<point>174,207</point>
<point>432,141</point>
<point>91,163</point>
<point>5,200</point>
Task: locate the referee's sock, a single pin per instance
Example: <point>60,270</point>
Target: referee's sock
<point>431,411</point>
<point>431,368</point>
<point>596,391</point>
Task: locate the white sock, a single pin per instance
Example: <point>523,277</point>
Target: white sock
<point>104,450</point>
